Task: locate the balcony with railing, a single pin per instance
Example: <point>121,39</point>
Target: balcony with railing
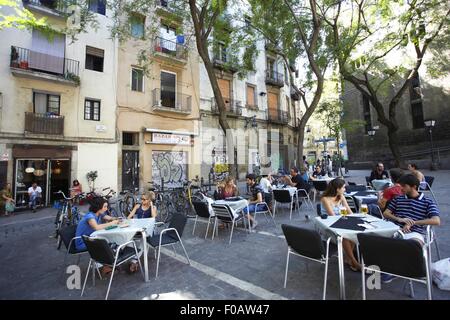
<point>232,107</point>
<point>278,116</point>
<point>172,50</point>
<point>274,78</point>
<point>224,62</point>
<point>56,8</point>
<point>171,101</point>
<point>44,123</point>
<point>26,63</point>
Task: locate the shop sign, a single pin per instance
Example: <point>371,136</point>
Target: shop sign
<point>168,138</point>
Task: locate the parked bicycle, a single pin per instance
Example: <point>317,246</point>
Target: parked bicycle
<point>68,214</point>
<point>127,200</point>
<point>163,202</point>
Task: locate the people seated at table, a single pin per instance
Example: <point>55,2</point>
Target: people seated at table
<point>379,173</point>
<point>93,221</point>
<point>297,181</point>
<point>257,197</point>
<point>415,171</point>
<point>146,209</point>
<point>412,211</point>
<point>318,173</point>
<point>331,202</point>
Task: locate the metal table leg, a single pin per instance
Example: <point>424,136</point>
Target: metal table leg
<point>341,268</point>
<point>144,239</point>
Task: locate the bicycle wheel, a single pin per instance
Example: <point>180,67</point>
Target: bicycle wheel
<point>163,212</point>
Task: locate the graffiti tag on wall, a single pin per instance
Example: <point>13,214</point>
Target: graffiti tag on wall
<point>169,167</point>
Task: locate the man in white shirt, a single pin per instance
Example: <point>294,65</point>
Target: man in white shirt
<point>34,193</point>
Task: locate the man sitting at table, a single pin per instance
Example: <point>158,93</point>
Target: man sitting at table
<point>413,211</point>
<point>318,173</point>
<point>379,173</point>
<point>297,180</point>
<point>257,197</point>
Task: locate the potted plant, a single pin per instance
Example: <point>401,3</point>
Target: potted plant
<point>91,177</point>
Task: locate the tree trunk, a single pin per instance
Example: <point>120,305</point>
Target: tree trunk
<point>394,146</point>
<point>300,138</point>
<point>202,48</point>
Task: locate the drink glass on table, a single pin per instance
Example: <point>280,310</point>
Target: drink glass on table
<point>343,212</point>
<point>364,208</point>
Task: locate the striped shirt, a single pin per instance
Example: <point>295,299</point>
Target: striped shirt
<point>419,208</point>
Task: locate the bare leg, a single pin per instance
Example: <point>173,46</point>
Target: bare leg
<point>349,246</point>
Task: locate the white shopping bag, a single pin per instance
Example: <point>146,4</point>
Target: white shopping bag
<point>441,273</point>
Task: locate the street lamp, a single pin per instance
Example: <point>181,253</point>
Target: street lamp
<point>430,124</point>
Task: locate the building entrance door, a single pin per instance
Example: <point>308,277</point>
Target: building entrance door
<point>130,170</point>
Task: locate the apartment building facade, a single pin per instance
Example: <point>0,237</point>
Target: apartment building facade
<point>158,102</point>
<point>262,109</point>
<point>58,102</point>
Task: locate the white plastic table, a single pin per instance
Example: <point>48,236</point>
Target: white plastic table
<point>122,235</point>
<point>371,197</point>
<point>379,184</point>
<point>382,228</point>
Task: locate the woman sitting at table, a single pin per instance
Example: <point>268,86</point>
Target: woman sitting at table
<point>228,189</point>
<point>331,202</point>
<point>145,210</point>
<point>92,221</point>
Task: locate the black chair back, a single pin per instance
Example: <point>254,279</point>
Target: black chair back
<point>320,185</point>
<point>201,208</point>
<point>352,203</point>
<point>67,234</point>
<point>429,180</point>
<point>368,181</point>
<point>177,222</point>
<point>99,250</point>
<point>352,183</point>
<point>355,188</point>
<point>302,193</point>
<point>319,209</point>
<point>283,196</point>
<point>305,242</point>
<point>396,256</point>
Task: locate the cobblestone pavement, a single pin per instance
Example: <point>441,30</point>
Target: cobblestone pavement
<point>252,267</point>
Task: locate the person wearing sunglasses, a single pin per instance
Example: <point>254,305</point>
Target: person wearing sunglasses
<point>146,209</point>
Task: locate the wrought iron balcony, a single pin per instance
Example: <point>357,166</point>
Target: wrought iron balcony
<point>53,7</point>
<point>44,123</point>
<point>224,63</point>
<point>278,116</point>
<point>170,49</point>
<point>171,101</point>
<point>232,107</point>
<point>28,63</point>
<point>274,78</point>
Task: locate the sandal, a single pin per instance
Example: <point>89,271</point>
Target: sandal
<point>106,271</point>
<point>133,267</point>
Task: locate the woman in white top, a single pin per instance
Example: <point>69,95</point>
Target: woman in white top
<point>332,201</point>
